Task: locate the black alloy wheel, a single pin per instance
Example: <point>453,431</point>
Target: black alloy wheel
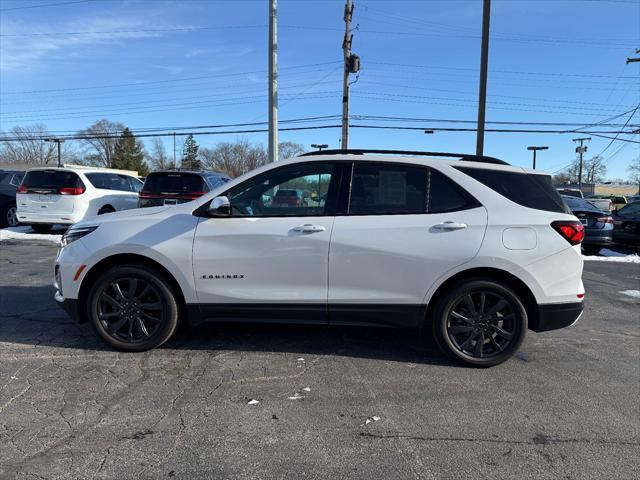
<point>133,308</point>
<point>481,323</point>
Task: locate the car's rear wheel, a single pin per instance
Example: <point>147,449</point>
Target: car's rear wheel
<point>591,249</point>
<point>42,227</point>
<point>133,308</point>
<point>480,323</point>
<point>9,217</point>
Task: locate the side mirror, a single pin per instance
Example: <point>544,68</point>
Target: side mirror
<point>219,207</point>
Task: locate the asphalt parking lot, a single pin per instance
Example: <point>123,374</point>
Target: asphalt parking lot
<point>332,402</point>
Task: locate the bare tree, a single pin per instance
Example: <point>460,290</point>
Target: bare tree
<point>290,150</point>
<point>158,158</point>
<point>29,148</point>
<point>593,171</point>
<point>234,159</point>
<point>100,150</point>
<point>634,172</point>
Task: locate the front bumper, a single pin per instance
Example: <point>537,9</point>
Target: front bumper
<point>69,305</point>
<point>556,315</point>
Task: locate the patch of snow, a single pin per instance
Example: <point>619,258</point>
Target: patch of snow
<point>371,419</point>
<point>623,259</point>
<point>605,252</point>
<point>25,233</point>
<point>253,402</point>
<point>631,293</point>
<point>306,389</point>
<point>296,396</point>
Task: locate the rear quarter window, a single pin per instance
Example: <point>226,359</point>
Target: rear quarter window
<point>527,189</point>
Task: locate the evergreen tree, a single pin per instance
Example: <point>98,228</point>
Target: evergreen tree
<point>190,158</point>
<point>129,154</point>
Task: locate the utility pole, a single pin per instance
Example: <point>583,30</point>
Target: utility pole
<point>175,166</point>
<point>273,80</point>
<point>535,150</point>
<point>580,150</point>
<point>484,62</point>
<point>351,65</point>
<point>58,141</point>
<point>631,60</point>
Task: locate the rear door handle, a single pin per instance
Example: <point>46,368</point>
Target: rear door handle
<point>308,228</point>
<point>449,226</point>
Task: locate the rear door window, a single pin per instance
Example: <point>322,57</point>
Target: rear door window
<point>526,189</point>
<point>175,183</point>
<point>397,189</point>
<point>51,181</point>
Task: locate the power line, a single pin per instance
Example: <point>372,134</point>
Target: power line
<point>616,137</point>
<point>42,5</point>
<point>150,30</point>
<point>220,75</point>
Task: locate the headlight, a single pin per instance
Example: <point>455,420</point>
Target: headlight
<point>74,234</point>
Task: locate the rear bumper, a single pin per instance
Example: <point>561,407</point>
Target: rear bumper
<point>59,218</point>
<point>556,315</point>
<point>598,237</point>
<point>69,305</point>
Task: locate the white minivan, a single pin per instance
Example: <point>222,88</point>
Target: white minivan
<point>69,194</point>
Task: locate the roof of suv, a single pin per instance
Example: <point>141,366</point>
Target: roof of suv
<point>195,172</point>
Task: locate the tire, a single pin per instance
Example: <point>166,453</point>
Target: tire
<point>457,328</point>
<point>121,320</point>
<point>42,227</point>
<point>9,216</point>
<point>591,249</point>
<point>106,209</point>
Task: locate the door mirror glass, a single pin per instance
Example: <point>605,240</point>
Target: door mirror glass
<point>219,207</point>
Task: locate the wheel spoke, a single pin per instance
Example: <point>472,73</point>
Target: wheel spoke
<point>118,290</point>
<point>456,329</point>
<point>106,316</point>
<point>149,317</point>
<point>110,300</point>
<point>468,301</point>
<point>142,327</point>
<point>482,302</point>
<point>459,316</point>
<point>497,307</point>
<point>115,326</point>
<point>130,329</point>
<point>493,340</point>
<point>479,345</point>
<point>502,332</point>
<point>133,285</point>
<point>466,343</point>
<point>144,292</point>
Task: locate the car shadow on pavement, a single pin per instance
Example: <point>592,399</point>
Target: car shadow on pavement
<point>29,316</point>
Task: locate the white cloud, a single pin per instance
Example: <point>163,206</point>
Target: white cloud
<point>25,52</point>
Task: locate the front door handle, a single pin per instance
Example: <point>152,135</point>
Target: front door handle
<point>449,226</point>
<point>308,228</point>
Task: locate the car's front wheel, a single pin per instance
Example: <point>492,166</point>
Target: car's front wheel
<point>480,323</point>
<point>133,308</point>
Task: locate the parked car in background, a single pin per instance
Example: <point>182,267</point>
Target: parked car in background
<point>172,187</point>
<point>9,182</point>
<point>571,192</point>
<point>618,201</point>
<point>598,226</point>
<point>66,195</point>
<point>604,204</point>
<point>633,199</point>
<point>469,248</point>
<point>287,198</point>
<point>627,225</point>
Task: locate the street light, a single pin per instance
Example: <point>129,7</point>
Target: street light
<point>319,146</point>
<point>58,141</point>
<point>535,149</point>
<point>429,132</point>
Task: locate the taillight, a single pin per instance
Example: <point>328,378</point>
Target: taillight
<point>22,189</point>
<point>571,231</point>
<point>604,219</point>
<point>71,191</point>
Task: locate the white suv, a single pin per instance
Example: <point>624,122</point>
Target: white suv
<point>67,195</point>
<point>469,247</point>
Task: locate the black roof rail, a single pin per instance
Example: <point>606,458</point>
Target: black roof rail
<point>460,156</point>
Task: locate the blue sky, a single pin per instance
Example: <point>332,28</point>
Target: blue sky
<point>155,63</point>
